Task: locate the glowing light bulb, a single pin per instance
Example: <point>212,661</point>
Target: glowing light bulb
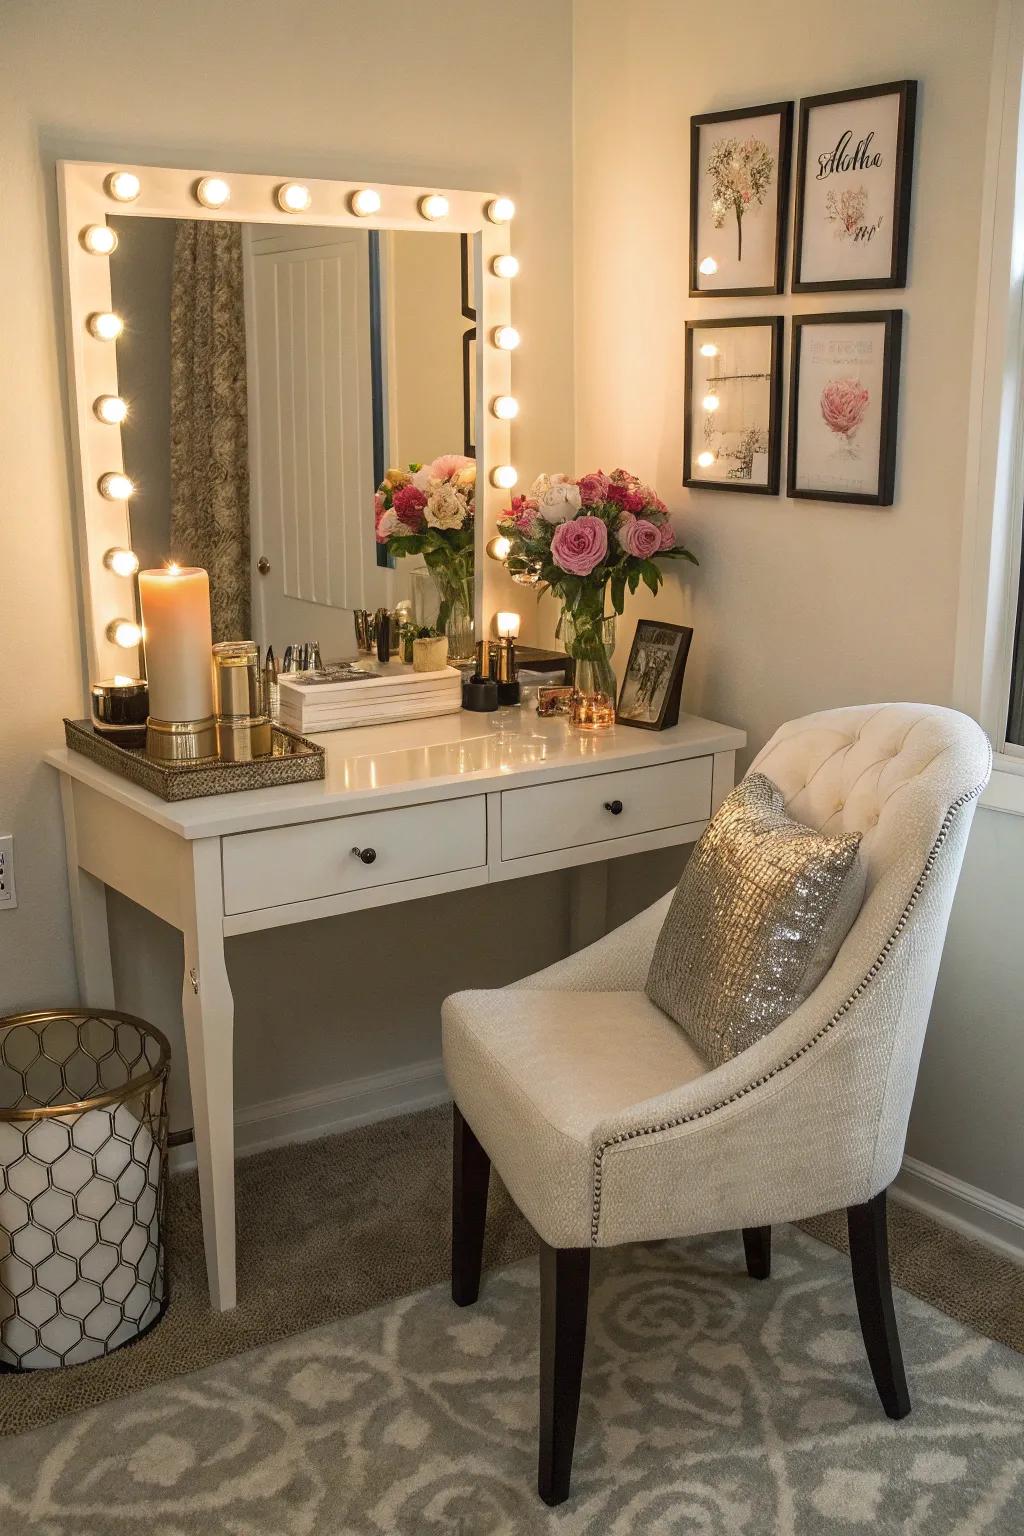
<point>99,239</point>
<point>124,186</point>
<point>505,266</point>
<point>293,197</point>
<point>504,476</point>
<point>711,402</point>
<point>110,409</point>
<point>499,548</point>
<point>500,210</point>
<point>506,337</point>
<point>116,486</point>
<point>508,626</point>
<point>709,349</point>
<point>505,407</point>
<point>212,192</point>
<point>365,202</point>
<point>123,562</point>
<point>434,206</point>
<point>124,632</point>
<point>705,459</point>
<point>709,266</point>
<point>105,325</point>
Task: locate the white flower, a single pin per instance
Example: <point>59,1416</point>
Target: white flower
<point>543,483</point>
<point>559,502</point>
<point>422,480</point>
<point>390,523</point>
<point>445,508</point>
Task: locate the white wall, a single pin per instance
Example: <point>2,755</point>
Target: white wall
<point>796,605</point>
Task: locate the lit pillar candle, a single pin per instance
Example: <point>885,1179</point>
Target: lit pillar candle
<point>178,640</point>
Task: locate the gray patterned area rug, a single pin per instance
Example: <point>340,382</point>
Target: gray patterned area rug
<point>713,1405</point>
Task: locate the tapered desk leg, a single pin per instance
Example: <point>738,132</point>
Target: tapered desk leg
<point>89,928</point>
<point>209,1014</point>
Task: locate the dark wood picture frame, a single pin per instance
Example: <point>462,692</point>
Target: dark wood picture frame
<point>771,488</point>
<point>906,90</point>
<point>892,320</point>
<point>784,111</point>
<point>668,713</point>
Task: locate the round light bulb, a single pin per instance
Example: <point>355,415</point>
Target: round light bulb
<point>500,210</point>
<point>293,197</point>
<point>212,192</point>
<point>105,325</point>
<point>124,632</point>
<point>110,409</point>
<point>705,459</point>
<point>506,337</point>
<point>711,402</point>
<point>505,266</point>
<point>116,486</point>
<point>499,548</point>
<point>505,407</point>
<point>365,202</point>
<point>123,562</point>
<point>124,186</point>
<point>434,206</point>
<point>504,476</point>
<point>508,626</point>
<point>709,349</point>
<point>99,239</point>
<point>709,266</point>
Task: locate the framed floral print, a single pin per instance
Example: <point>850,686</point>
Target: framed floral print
<point>739,198</point>
<point>854,171</point>
<point>843,395</point>
<point>732,411</point>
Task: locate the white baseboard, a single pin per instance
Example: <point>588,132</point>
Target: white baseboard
<point>970,1210</point>
<point>338,1107</point>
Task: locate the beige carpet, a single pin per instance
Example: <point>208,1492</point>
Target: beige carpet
<point>335,1227</point>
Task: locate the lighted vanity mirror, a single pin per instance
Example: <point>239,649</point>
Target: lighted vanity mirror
<point>248,358</point>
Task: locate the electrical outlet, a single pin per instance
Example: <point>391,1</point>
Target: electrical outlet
<point>8,893</point>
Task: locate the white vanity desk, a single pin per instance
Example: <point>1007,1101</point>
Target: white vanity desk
<point>442,804</point>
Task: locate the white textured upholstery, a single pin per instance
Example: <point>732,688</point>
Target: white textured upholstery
<point>600,1143</point>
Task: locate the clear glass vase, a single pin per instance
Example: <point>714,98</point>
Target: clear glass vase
<point>454,584</point>
<point>589,638</point>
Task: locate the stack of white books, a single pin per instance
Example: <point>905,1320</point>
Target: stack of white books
<point>367,692</point>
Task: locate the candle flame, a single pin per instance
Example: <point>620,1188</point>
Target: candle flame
<point>174,569</point>
<point>123,682</point>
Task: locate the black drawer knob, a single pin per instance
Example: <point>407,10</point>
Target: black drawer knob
<point>615,806</point>
<point>366,854</point>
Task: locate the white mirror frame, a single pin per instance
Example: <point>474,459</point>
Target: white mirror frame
<point>86,200</point>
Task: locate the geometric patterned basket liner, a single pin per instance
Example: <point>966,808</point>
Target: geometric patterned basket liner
<point>83,1153</point>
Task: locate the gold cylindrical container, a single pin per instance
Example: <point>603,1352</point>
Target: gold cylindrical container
<point>243,725</point>
<point>239,739</point>
<point>181,741</point>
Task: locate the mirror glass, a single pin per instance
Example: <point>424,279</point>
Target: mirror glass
<point>274,374</point>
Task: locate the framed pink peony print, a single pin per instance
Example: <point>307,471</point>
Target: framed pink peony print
<point>843,402</point>
<point>739,200</point>
<point>732,406</point>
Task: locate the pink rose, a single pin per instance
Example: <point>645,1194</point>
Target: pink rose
<point>408,504</point>
<point>617,493</point>
<point>593,488</point>
<point>639,537</point>
<point>636,501</point>
<point>579,545</point>
<point>667,535</point>
<point>449,464</point>
<point>378,507</point>
<point>844,403</point>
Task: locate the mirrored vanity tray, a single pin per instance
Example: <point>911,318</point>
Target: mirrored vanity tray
<point>293,760</point>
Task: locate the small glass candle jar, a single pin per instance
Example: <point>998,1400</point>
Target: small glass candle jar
<point>120,706</point>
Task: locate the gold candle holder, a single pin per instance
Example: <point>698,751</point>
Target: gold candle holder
<point>243,726</point>
<point>181,741</point>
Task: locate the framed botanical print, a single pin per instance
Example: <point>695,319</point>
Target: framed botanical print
<point>732,412</point>
<point>854,170</point>
<point>653,681</point>
<point>739,197</point>
<point>843,395</point>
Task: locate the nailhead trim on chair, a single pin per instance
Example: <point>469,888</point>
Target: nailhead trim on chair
<point>873,970</point>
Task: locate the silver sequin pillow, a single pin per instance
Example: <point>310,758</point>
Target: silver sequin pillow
<point>757,919</point>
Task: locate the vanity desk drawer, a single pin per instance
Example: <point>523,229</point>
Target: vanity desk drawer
<point>604,807</point>
<point>352,853</point>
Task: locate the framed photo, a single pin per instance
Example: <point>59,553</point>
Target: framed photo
<point>653,684</point>
<point>732,413</point>
<point>854,170</point>
<point>739,197</point>
<point>843,394</point>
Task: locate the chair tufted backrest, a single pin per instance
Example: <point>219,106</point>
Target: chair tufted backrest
<point>888,771</point>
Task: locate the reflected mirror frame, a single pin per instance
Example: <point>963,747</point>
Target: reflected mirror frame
<point>169,193</point>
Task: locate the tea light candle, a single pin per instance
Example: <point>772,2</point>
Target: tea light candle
<point>178,640</point>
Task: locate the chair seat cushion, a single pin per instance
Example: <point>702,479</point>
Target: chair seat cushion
<point>537,1073</point>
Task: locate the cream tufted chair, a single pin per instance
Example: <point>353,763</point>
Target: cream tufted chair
<point>607,1127</point>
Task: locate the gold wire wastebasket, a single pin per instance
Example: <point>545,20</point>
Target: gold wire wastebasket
<point>83,1173</point>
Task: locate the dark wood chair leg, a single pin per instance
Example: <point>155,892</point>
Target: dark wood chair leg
<point>564,1293</point>
<point>757,1248</point>
<point>869,1257</point>
<point>471,1175</point>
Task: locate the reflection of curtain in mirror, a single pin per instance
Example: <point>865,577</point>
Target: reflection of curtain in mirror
<point>209,424</point>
